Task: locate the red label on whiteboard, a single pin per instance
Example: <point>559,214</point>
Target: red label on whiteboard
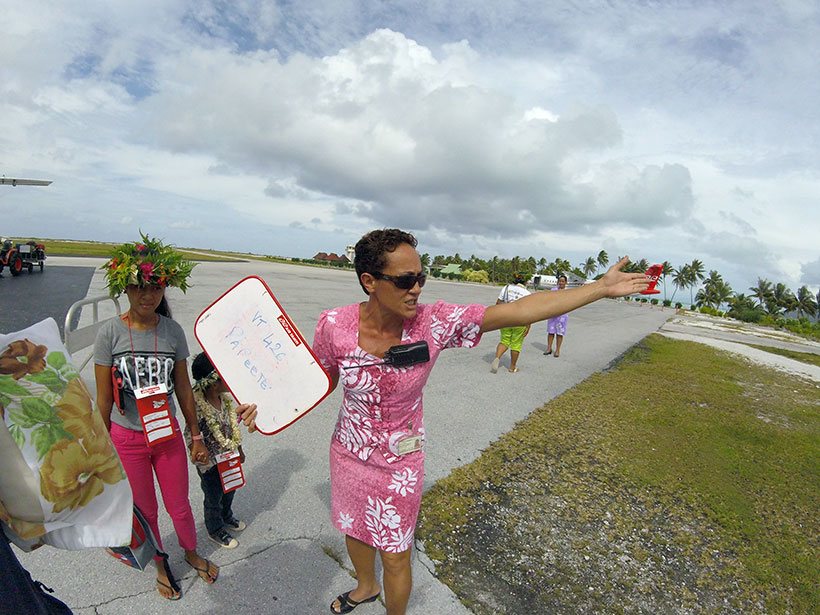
<point>289,330</point>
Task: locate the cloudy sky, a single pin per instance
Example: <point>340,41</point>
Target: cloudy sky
<point>662,130</point>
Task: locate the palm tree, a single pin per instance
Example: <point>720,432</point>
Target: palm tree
<point>696,270</point>
<point>783,297</point>
<point>715,291</point>
<point>741,303</point>
<point>603,258</point>
<point>680,278</point>
<point>642,265</point>
<point>762,291</point>
<point>772,306</point>
<point>588,266</point>
<point>723,293</point>
<point>667,270</point>
<point>530,266</point>
<point>805,302</point>
<point>558,266</point>
<point>542,265</point>
<point>425,261</point>
<point>630,267</point>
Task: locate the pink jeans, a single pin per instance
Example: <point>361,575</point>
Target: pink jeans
<point>169,460</point>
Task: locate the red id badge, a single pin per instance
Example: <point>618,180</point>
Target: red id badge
<point>230,471</point>
<point>155,413</point>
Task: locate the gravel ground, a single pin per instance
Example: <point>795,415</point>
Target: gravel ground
<point>567,529</point>
<point>733,335</point>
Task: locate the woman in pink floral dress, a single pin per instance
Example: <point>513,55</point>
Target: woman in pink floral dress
<point>377,450</point>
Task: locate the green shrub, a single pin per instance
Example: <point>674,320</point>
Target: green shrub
<point>667,302</point>
<point>480,275</point>
<point>803,326</point>
<point>678,305</point>
<point>752,315</point>
<point>653,301</point>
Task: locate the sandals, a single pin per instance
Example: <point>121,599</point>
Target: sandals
<point>175,593</point>
<point>347,604</point>
<point>170,582</point>
<point>205,573</point>
<point>513,370</point>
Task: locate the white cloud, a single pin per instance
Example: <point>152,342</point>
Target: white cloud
<point>488,127</point>
<point>810,274</point>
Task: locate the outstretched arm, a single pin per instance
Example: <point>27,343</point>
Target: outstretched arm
<point>540,306</point>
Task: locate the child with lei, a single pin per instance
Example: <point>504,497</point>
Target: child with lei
<point>220,429</point>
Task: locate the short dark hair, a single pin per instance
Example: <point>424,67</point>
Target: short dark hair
<point>372,249</point>
<point>563,276</point>
<point>201,366</point>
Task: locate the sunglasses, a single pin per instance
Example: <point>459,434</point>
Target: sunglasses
<point>405,282</point>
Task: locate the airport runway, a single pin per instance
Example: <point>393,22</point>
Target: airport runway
<point>291,559</point>
<point>31,297</point>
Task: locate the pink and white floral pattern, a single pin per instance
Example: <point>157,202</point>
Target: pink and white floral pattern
<point>403,482</point>
<point>376,493</point>
<point>383,521</point>
<point>345,521</point>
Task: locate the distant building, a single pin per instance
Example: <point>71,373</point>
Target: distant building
<point>350,252</point>
<point>331,258</point>
<point>451,268</point>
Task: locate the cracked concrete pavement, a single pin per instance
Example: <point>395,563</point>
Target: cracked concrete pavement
<point>291,559</point>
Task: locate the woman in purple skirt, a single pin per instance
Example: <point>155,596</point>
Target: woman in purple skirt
<point>557,325</point>
<point>377,449</point>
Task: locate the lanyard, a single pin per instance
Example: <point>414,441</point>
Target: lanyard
<point>152,402</point>
<point>131,339</point>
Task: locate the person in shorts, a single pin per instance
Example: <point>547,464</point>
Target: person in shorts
<point>511,337</point>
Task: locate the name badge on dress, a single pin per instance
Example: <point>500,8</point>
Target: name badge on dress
<point>155,414</point>
<point>230,471</point>
<point>401,443</point>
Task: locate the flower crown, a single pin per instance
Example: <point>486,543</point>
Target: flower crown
<point>144,263</point>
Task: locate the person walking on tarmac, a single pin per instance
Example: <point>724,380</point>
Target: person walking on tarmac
<point>511,337</point>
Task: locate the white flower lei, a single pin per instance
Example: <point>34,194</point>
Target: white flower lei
<point>208,412</point>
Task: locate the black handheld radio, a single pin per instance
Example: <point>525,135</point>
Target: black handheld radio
<point>402,355</point>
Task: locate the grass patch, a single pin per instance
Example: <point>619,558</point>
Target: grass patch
<point>61,247</point>
<point>682,479</point>
<point>803,357</point>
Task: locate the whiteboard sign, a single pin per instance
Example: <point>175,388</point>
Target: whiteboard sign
<point>261,356</point>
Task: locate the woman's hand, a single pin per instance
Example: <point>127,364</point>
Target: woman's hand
<point>247,414</point>
<point>617,283</point>
<point>199,452</point>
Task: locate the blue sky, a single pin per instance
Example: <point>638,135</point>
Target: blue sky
<point>662,130</point>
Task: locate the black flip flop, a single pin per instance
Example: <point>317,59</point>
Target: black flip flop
<point>176,595</point>
<point>206,571</point>
<point>346,604</point>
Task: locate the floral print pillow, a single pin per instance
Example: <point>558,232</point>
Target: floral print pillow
<point>49,415</point>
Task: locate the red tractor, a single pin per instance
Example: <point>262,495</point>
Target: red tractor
<point>17,256</point>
